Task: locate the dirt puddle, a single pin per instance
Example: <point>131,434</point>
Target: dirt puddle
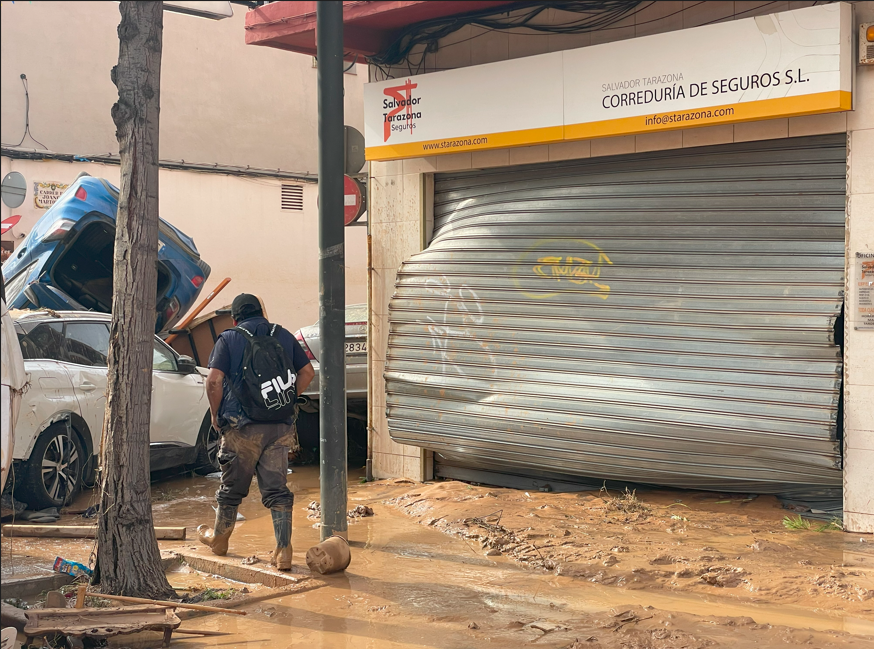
<point>414,585</point>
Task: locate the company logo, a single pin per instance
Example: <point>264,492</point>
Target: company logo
<point>399,114</point>
<point>285,391</point>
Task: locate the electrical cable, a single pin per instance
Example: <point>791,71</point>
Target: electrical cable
<point>594,15</point>
<point>27,117</point>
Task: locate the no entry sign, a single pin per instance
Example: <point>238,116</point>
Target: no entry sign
<point>353,200</point>
<point>9,223</point>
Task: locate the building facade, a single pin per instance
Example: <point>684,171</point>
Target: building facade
<point>238,138</point>
<point>685,306</point>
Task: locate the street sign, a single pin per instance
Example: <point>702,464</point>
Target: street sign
<point>353,200</point>
<point>14,189</point>
<point>9,223</point>
<point>353,148</point>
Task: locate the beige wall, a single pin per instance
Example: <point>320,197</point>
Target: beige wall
<point>222,101</point>
<point>399,197</point>
<point>240,231</point>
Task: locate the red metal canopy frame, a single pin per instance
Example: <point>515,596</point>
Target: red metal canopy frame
<point>368,27</point>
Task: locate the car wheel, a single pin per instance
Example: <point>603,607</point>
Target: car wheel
<point>207,451</point>
<point>53,474</point>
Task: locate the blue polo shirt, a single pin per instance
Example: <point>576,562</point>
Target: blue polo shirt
<point>227,356</point>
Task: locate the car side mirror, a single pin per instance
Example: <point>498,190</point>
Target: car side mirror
<point>186,365</point>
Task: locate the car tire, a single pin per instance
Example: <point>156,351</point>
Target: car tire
<point>53,473</point>
<point>207,450</point>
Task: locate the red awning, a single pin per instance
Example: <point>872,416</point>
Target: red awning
<point>368,27</point>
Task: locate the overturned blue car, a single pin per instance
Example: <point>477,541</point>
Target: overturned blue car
<point>65,263</point>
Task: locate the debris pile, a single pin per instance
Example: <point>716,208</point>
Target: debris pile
<point>314,511</point>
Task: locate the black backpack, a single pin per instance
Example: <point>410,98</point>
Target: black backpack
<point>269,380</point>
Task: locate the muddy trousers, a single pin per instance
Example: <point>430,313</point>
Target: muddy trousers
<point>260,450</point>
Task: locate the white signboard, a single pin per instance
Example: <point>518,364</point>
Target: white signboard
<point>482,107</point>
<point>792,63</point>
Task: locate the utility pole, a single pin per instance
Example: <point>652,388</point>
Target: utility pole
<point>128,559</point>
<point>332,276</point>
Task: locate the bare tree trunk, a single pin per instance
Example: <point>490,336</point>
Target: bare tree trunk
<point>128,558</point>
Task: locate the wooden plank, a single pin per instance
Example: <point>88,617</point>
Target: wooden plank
<point>158,602</point>
<point>81,531</point>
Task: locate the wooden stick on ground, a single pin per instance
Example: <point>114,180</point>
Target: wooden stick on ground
<point>140,600</point>
<point>80,595</point>
<point>197,632</point>
<point>81,531</point>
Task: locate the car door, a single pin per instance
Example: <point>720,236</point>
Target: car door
<point>178,400</point>
<point>50,391</point>
<point>87,349</point>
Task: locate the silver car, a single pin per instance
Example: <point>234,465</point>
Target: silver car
<point>356,352</point>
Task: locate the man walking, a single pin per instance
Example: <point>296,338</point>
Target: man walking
<point>256,371</point>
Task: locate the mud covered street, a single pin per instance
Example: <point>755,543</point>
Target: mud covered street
<point>581,574</point>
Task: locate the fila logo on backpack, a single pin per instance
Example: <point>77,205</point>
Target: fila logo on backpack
<point>285,391</point>
<point>268,378</point>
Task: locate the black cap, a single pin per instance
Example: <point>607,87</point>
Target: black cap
<point>245,304</point>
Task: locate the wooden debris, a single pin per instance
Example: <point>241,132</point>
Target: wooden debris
<point>168,604</point>
<point>81,531</point>
<point>100,623</point>
<point>80,595</point>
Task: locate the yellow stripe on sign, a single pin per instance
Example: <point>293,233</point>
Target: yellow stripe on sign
<point>467,143</point>
<point>822,102</point>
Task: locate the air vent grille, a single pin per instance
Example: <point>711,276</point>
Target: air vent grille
<point>292,198</point>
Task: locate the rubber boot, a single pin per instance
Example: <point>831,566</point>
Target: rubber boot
<point>217,537</point>
<point>282,531</point>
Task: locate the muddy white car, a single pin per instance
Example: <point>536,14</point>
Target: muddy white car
<point>59,427</point>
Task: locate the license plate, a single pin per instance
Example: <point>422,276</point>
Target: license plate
<point>355,348</point>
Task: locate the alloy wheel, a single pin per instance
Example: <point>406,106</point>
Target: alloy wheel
<point>60,468</point>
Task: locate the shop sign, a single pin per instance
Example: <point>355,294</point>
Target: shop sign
<point>780,65</point>
<point>864,290</point>
<point>46,193</point>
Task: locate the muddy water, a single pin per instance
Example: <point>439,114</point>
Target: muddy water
<point>412,585</point>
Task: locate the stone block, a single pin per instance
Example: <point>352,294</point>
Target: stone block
<point>708,135</point>
<point>817,124</point>
<point>570,150</point>
<point>858,485</point>
<point>862,163</point>
<point>490,158</point>
<point>613,145</point>
<point>658,141</point>
<point>529,154</point>
<point>769,129</point>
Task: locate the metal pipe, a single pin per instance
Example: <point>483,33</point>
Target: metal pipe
<point>368,465</point>
<point>332,290</point>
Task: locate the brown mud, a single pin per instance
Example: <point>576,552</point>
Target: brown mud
<point>413,585</point>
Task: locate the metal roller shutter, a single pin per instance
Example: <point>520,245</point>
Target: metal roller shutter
<point>666,318</point>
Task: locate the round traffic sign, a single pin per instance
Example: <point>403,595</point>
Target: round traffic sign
<point>9,223</point>
<point>353,200</point>
<point>14,189</point>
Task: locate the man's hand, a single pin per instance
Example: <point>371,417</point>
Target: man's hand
<point>214,388</point>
